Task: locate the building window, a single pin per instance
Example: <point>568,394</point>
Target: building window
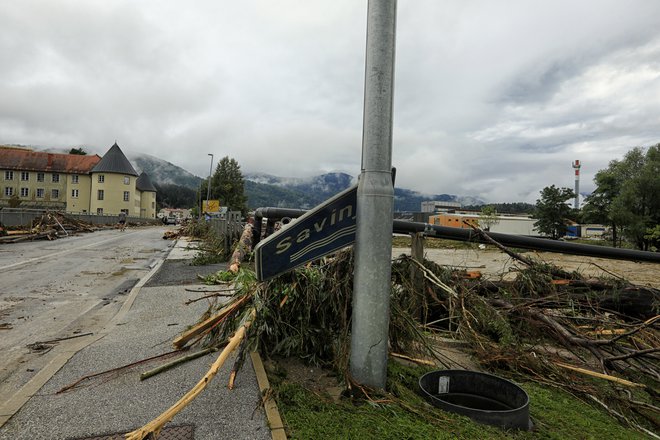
<point>127,180</point>
<point>25,192</point>
<point>74,178</point>
<point>55,194</point>
<point>126,196</point>
<point>56,177</point>
<point>40,193</point>
<point>9,175</point>
<point>153,205</point>
<point>9,191</point>
<point>125,211</point>
<point>25,176</point>
<point>101,194</point>
<point>99,211</point>
<point>74,193</point>
<point>40,177</point>
<point>101,178</point>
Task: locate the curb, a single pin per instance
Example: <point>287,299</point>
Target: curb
<point>270,407</point>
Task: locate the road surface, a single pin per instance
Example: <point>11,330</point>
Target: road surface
<point>65,288</point>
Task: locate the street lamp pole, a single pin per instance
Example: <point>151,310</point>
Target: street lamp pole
<point>208,186</point>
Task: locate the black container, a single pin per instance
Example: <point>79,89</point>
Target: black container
<point>482,397</point>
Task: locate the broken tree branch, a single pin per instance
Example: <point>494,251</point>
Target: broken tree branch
<point>154,427</point>
<point>174,363</point>
<point>208,323</point>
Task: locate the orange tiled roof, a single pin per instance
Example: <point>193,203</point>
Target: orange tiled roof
<point>27,160</point>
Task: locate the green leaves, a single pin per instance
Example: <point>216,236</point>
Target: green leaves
<point>627,197</point>
<point>552,211</point>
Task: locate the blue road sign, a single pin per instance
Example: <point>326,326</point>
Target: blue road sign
<point>319,232</point>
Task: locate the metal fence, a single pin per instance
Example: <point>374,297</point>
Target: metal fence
<point>229,228</point>
<point>24,217</point>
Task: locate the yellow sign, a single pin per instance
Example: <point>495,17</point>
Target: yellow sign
<point>211,206</point>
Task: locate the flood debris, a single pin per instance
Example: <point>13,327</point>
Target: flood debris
<point>596,338</point>
<point>49,226</point>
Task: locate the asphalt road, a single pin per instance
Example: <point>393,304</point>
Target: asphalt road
<point>65,288</point>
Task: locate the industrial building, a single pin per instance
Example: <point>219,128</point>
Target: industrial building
<point>506,224</point>
<point>75,183</point>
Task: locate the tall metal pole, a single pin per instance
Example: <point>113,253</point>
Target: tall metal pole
<point>208,186</point>
<point>375,202</point>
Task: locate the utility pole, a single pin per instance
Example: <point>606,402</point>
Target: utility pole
<point>375,203</point>
<point>208,186</point>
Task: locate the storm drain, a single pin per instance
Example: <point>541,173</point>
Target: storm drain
<point>183,432</point>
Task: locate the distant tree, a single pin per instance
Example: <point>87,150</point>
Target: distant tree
<point>506,208</point>
<point>653,237</point>
<point>598,204</point>
<point>80,151</point>
<point>175,196</point>
<point>227,185</point>
<point>552,211</point>
<point>14,201</point>
<point>488,217</point>
<point>627,196</point>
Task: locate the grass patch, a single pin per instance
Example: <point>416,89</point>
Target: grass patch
<point>313,415</point>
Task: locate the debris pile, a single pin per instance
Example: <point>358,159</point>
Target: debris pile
<point>598,339</point>
<point>50,225</point>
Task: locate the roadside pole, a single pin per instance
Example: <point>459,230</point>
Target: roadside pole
<point>375,200</point>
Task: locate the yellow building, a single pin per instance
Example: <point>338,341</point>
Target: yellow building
<point>74,183</point>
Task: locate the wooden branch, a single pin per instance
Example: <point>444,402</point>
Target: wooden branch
<point>600,375</point>
<point>212,295</point>
<point>208,323</point>
<point>154,427</point>
<point>174,363</point>
<point>529,262</point>
<point>632,354</point>
<point>113,370</point>
<point>408,358</point>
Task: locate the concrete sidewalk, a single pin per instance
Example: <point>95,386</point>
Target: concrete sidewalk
<point>120,402</point>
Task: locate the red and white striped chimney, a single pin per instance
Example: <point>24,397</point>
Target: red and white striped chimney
<point>576,166</point>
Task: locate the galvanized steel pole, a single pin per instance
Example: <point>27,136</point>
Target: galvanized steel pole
<point>208,186</point>
<point>375,200</point>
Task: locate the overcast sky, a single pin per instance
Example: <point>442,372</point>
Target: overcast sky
<point>492,99</point>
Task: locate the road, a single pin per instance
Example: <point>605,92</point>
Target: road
<point>65,288</point>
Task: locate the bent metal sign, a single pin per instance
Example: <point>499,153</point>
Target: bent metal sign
<point>319,232</point>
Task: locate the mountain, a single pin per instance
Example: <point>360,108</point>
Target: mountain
<point>164,173</point>
<point>268,190</point>
<point>293,192</point>
<point>179,187</point>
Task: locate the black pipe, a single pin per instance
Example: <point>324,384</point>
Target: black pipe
<point>518,241</point>
<point>524,242</point>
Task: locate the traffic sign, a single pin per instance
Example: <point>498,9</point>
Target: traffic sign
<point>323,230</point>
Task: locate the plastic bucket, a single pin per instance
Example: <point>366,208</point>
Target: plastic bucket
<point>482,397</point>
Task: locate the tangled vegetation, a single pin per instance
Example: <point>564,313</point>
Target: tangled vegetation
<point>594,338</point>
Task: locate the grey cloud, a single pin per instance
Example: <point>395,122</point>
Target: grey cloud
<point>489,101</point>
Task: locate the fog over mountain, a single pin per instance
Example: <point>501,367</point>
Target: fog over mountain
<point>264,189</point>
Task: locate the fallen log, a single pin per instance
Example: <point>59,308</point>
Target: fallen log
<point>243,247</point>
